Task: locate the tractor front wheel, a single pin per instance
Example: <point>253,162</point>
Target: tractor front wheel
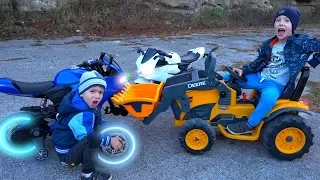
<point>197,136</point>
<point>287,137</point>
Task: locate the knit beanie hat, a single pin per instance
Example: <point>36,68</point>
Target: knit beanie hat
<point>90,79</point>
<point>292,14</point>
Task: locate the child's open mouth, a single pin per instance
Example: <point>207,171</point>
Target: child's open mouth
<point>95,102</point>
<point>281,31</point>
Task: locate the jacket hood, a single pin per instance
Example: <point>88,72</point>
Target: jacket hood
<point>72,103</point>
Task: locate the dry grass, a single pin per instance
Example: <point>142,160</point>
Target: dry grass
<point>243,50</point>
<point>213,44</point>
<point>114,17</point>
<point>316,35</point>
<point>313,97</point>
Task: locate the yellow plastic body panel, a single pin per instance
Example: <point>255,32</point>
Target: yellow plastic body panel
<point>286,103</point>
<point>199,97</point>
<point>237,110</point>
<point>146,95</point>
<point>251,137</point>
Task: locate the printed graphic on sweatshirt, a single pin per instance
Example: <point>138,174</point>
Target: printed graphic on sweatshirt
<point>276,63</point>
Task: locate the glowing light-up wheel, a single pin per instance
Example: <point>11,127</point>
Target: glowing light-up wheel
<point>109,156</point>
<point>18,134</point>
<point>15,137</point>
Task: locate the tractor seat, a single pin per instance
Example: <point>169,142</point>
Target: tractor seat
<point>33,88</point>
<point>189,57</point>
<point>295,94</point>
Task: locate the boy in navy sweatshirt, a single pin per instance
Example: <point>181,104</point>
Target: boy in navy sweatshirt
<point>275,70</point>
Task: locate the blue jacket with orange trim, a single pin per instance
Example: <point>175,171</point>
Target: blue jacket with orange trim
<point>297,50</point>
<point>75,121</point>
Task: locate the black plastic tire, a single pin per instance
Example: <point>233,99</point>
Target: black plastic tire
<point>115,111</point>
<point>201,127</point>
<point>289,122</point>
<point>42,154</point>
<point>15,134</point>
<point>123,111</point>
<point>18,135</point>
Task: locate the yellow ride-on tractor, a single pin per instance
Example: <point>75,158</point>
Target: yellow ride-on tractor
<point>199,101</point>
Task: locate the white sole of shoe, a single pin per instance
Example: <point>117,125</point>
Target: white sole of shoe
<point>247,132</point>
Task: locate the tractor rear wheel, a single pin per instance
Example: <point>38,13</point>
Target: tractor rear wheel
<point>288,137</point>
<point>197,136</point>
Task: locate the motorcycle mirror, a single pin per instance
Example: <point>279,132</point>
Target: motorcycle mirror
<point>161,58</point>
<point>139,50</point>
<point>102,55</point>
<point>107,58</point>
<point>111,57</point>
<point>164,54</point>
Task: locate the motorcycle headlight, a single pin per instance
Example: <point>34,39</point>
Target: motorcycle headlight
<point>123,80</point>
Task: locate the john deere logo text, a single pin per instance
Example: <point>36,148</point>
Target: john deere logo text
<point>193,85</point>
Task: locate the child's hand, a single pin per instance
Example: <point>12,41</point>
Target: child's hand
<point>237,70</point>
<point>116,143</point>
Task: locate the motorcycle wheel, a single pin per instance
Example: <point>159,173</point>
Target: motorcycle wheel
<point>119,158</point>
<point>15,135</point>
<point>18,135</point>
<point>42,154</point>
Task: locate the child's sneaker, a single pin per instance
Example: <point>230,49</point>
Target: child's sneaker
<point>240,128</point>
<point>97,175</point>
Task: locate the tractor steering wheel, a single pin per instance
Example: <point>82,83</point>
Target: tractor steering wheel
<point>236,75</point>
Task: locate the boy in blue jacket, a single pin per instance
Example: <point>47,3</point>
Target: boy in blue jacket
<point>75,135</point>
<point>273,73</point>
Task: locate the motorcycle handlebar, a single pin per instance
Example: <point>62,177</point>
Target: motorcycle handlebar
<point>84,64</point>
<point>98,62</point>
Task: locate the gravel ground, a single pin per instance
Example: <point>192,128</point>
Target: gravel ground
<point>161,156</point>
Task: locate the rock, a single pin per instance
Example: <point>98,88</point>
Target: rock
<point>170,5</point>
<point>198,4</point>
<point>37,4</point>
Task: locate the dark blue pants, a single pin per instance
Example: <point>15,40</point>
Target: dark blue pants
<point>84,152</point>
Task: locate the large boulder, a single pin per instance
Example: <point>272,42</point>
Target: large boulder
<point>32,5</point>
<point>198,4</point>
<point>170,5</point>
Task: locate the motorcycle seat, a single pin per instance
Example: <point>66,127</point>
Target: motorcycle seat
<point>34,87</point>
<point>189,58</point>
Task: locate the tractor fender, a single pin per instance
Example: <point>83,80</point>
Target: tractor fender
<point>284,110</point>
